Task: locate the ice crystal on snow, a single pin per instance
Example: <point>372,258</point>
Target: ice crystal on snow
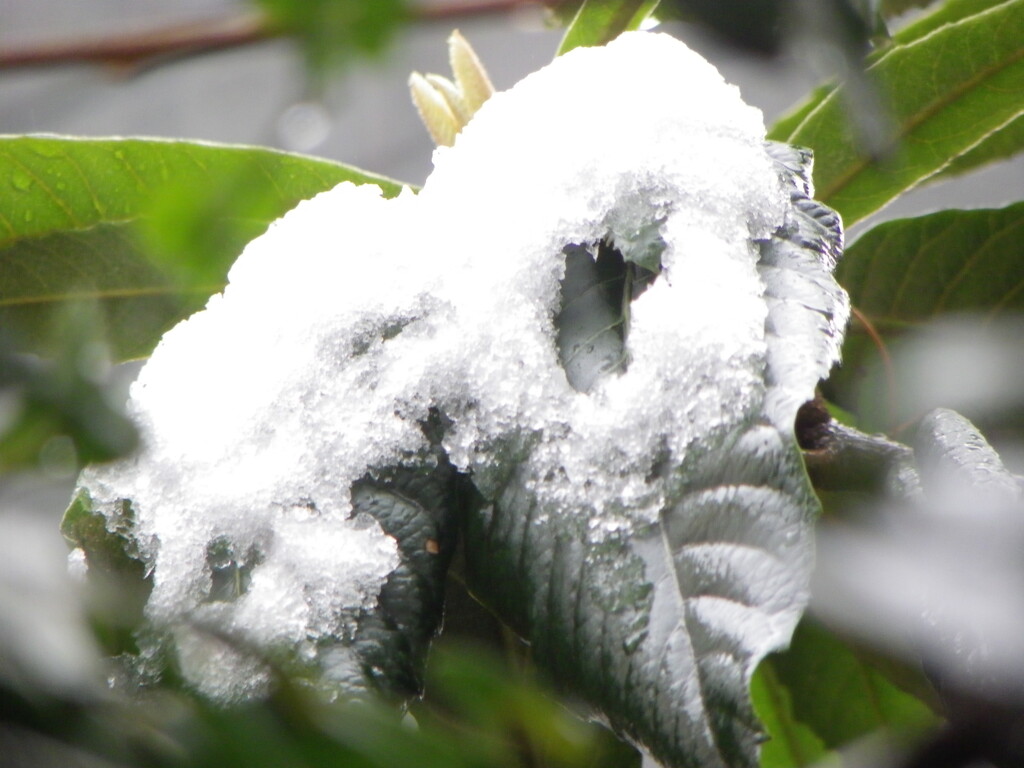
<point>354,318</point>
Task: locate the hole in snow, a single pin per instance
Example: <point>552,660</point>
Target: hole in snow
<point>230,574</point>
<point>593,320</point>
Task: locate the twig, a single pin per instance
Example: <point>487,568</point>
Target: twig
<point>143,47</point>
<point>840,458</point>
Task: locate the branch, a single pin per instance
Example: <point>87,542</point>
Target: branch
<point>145,47</point>
<point>840,458</point>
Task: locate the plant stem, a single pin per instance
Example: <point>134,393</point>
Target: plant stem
<point>841,458</point>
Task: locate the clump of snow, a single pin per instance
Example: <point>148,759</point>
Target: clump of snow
<point>354,316</point>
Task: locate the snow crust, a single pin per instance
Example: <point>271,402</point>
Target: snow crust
<point>354,316</point>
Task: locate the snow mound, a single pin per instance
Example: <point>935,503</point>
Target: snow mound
<point>354,317</point>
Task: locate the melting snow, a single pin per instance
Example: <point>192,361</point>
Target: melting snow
<point>353,316</point>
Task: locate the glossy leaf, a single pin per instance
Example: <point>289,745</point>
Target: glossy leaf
<point>600,21</point>
<point>146,228</point>
<point>951,82</point>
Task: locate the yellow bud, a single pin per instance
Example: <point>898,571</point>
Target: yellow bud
<point>434,111</point>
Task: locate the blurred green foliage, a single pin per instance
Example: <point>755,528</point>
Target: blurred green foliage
<point>56,413</point>
<point>332,32</point>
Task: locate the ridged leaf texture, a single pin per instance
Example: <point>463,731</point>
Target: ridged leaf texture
<point>660,627</point>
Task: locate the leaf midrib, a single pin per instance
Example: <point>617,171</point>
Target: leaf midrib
<point>112,293</point>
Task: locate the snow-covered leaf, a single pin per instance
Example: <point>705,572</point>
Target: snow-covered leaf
<point>659,624</point>
<point>645,525</point>
<point>382,650</point>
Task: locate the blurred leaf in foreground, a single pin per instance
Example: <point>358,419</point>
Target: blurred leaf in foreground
<point>334,31</point>
<point>56,412</point>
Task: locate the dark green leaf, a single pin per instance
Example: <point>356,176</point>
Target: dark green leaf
<point>416,506</point>
<point>950,82</point>
<point>908,271</point>
<point>598,22</point>
<point>905,273</point>
<point>146,228</point>
<point>753,25</point>
<point>838,695</point>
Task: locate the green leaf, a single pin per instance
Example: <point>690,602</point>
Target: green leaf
<point>908,272</point>
<point>839,696</point>
<point>950,83</point>
<point>598,22</point>
<point>1001,145</point>
<point>790,743</point>
<point>146,228</point>
<point>417,506</point>
<point>947,12</point>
